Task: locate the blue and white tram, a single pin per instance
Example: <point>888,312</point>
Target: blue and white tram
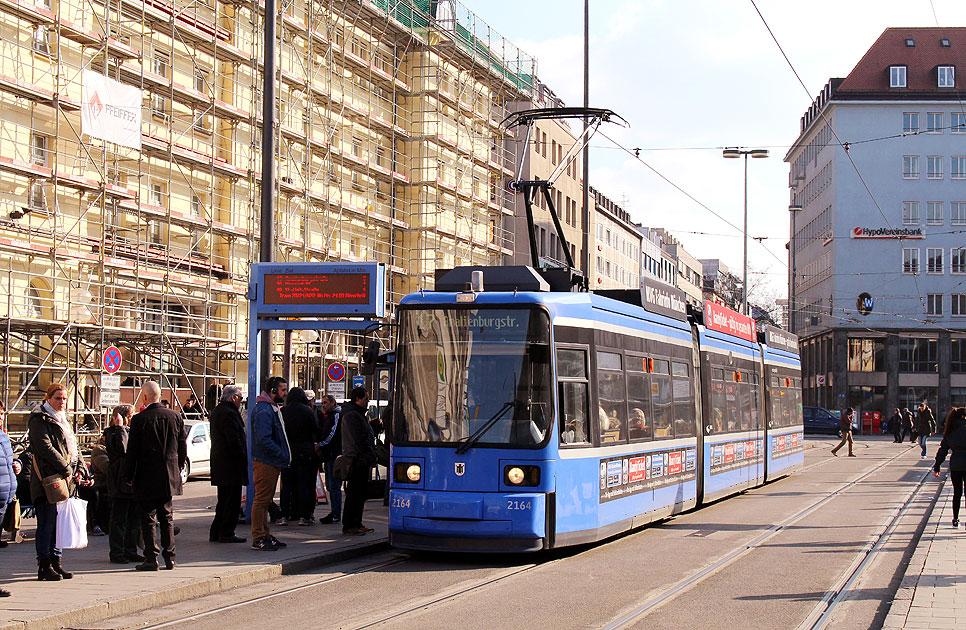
<point>526,419</point>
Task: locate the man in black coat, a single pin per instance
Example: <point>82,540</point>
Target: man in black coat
<point>229,464</point>
<point>156,452</point>
<point>359,445</point>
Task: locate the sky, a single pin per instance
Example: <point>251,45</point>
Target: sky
<point>692,77</point>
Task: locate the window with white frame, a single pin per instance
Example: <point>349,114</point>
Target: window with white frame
<point>947,76</point>
<point>157,194</point>
<point>910,122</point>
<point>197,207</point>
<point>934,213</point>
<point>37,197</point>
<point>39,144</point>
<point>897,76</point>
<point>957,212</point>
<point>910,260</point>
<point>958,122</point>
<point>958,306</point>
<point>41,40</point>
<point>934,122</point>
<point>910,213</point>
<point>934,304</point>
<point>934,167</point>
<point>934,260</point>
<point>957,259</point>
<point>958,168</point>
<point>910,167</point>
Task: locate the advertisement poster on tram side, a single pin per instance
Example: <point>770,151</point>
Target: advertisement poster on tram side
<point>788,444</point>
<point>737,454</point>
<point>624,476</point>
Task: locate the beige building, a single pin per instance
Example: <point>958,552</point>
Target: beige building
<point>615,246</point>
<point>550,140</point>
<point>389,149</point>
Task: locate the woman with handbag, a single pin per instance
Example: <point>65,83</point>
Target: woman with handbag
<point>58,466</point>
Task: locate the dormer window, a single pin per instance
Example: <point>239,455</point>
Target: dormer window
<point>947,76</point>
<point>910,43</point>
<point>897,76</point>
<point>944,42</point>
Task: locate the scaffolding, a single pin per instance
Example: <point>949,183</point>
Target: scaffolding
<point>388,148</point>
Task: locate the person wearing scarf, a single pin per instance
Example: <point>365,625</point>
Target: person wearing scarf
<point>54,447</point>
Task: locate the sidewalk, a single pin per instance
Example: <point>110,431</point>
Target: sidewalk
<point>933,592</point>
<point>100,590</point>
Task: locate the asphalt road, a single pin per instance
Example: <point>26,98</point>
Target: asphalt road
<point>767,558</point>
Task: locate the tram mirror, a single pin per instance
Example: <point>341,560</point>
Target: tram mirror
<point>538,353</point>
<point>370,356</point>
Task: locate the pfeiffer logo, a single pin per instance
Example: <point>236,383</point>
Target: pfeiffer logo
<point>95,105</point>
<point>864,232</point>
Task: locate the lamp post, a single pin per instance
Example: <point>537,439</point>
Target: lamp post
<point>793,254</point>
<point>736,152</point>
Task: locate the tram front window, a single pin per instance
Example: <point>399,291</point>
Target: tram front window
<point>473,377</point>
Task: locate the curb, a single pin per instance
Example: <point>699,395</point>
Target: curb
<point>100,610</point>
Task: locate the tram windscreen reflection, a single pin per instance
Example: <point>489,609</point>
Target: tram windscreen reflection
<point>459,369</point>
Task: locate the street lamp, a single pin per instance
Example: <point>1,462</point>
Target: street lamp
<point>793,254</point>
<point>736,152</point>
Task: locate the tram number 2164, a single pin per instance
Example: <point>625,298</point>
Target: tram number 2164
<point>518,505</point>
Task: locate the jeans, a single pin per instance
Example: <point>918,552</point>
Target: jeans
<point>922,443</point>
<point>957,477</point>
<point>157,512</point>
<point>46,529</point>
<point>123,529</point>
<point>266,479</point>
<point>226,512</point>
<point>334,487</point>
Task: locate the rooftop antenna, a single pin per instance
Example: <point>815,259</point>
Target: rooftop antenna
<point>529,188</point>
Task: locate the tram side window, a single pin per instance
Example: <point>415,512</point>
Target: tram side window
<point>639,425</point>
<point>717,414</point>
<point>683,402</point>
<point>788,406</point>
<point>732,416</point>
<point>746,400</point>
<point>661,399</point>
<point>775,398</point>
<point>573,391</point>
<point>611,398</point>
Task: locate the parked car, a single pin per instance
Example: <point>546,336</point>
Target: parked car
<point>820,420</point>
<point>199,449</point>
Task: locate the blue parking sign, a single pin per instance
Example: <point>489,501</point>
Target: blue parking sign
<point>358,381</point>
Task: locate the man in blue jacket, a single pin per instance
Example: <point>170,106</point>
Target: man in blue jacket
<point>270,454</point>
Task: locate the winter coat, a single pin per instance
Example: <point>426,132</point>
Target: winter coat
<point>8,480</point>
<point>331,439</point>
<point>358,440</point>
<point>907,421</point>
<point>157,450</point>
<point>301,426</point>
<point>99,464</point>
<point>269,441</point>
<point>115,441</point>
<point>925,422</point>
<point>229,447</point>
<point>955,442</point>
<point>48,444</point>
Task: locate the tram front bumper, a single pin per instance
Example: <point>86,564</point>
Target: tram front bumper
<point>518,515</point>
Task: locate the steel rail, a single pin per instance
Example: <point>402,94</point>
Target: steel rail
<point>668,594</point>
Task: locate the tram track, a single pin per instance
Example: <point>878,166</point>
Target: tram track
<point>665,596</point>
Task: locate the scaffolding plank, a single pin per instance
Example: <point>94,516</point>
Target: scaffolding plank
<point>33,13</point>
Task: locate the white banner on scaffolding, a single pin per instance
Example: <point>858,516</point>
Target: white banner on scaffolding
<point>111,110</point>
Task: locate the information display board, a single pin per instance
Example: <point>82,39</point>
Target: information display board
<point>319,289</point>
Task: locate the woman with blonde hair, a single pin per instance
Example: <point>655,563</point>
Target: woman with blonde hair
<point>55,452</point>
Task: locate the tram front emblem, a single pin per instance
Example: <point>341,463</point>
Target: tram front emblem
<point>459,468</point>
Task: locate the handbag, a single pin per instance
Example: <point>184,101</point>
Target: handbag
<point>71,524</point>
<point>11,517</point>
<point>342,467</point>
<point>55,486</point>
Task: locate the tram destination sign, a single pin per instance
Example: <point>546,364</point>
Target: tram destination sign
<point>727,321</point>
<point>320,289</point>
<point>663,299</point>
<point>781,339</point>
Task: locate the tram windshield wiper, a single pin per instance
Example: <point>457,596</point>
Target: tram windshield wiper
<point>489,424</point>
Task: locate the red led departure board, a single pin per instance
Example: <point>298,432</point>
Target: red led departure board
<point>317,288</point>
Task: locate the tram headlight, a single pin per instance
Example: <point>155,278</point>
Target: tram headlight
<point>407,472</point>
<point>413,472</point>
<point>521,475</point>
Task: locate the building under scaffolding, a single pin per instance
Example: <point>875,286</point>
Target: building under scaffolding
<point>389,148</point>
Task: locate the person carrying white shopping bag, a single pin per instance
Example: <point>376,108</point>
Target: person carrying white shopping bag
<point>72,524</point>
